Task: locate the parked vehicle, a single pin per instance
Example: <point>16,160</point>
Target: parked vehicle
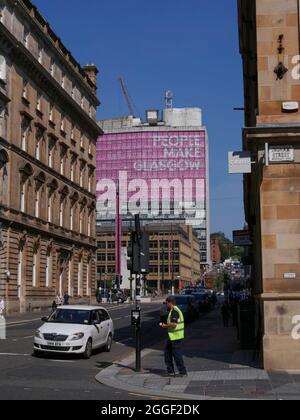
<point>188,306</point>
<point>75,330</point>
<point>203,301</point>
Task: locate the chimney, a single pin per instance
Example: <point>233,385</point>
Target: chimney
<point>91,71</point>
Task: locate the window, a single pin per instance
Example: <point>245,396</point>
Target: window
<point>90,224</point>
<point>81,216</point>
<point>73,163</point>
<point>61,213</point>
<point>72,218</point>
<point>51,67</point>
<point>51,149</point>
<point>24,135</point>
<point>51,113</point>
<point>79,279</point>
<point>63,124</point>
<point>38,143</point>
<point>34,269</point>
<point>49,204</point>
<point>37,203</point>
<point>82,141</point>
<point>48,267</point>
<point>40,55</point>
<point>91,179</point>
<point>25,89</point>
<point>39,102</point>
<point>20,272</point>
<point>73,132</point>
<point>26,38</point>
<point>22,196</point>
<point>2,68</point>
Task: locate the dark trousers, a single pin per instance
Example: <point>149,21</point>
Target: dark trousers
<point>173,353</point>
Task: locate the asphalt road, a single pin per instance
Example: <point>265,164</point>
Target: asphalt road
<point>64,377</point>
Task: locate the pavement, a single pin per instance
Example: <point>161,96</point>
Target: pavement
<point>218,369</point>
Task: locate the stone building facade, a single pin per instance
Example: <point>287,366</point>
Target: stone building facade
<point>48,136</point>
<point>270,47</point>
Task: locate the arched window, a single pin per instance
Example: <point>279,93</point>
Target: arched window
<point>25,173</point>
<point>3,175</point>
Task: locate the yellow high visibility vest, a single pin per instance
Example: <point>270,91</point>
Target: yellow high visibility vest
<point>178,332</point>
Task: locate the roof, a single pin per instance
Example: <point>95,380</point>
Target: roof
<point>81,307</point>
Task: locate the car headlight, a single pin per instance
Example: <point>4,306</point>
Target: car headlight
<point>38,334</point>
<point>77,336</point>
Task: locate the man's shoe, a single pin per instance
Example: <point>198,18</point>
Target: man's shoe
<point>168,375</point>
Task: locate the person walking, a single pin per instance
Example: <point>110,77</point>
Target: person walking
<point>66,299</point>
<point>175,327</point>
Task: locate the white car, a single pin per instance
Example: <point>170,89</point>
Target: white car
<point>75,330</point>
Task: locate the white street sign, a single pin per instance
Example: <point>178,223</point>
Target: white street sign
<point>239,162</point>
<point>279,154</point>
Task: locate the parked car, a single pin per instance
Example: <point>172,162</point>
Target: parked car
<point>75,330</point>
<point>203,301</point>
<point>188,306</point>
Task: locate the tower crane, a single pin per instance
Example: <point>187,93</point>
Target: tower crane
<point>127,97</point>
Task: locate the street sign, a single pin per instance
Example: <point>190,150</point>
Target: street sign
<point>242,238</point>
<point>239,162</point>
<point>279,154</point>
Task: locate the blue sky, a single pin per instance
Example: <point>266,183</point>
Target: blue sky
<point>188,46</point>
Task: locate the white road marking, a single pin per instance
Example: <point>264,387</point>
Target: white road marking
<point>14,354</point>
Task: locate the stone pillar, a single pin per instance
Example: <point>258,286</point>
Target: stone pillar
<point>280,230</point>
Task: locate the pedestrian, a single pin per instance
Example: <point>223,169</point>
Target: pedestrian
<point>175,327</point>
<point>110,297</point>
<point>225,314</point>
<point>2,308</point>
<point>66,299</point>
<point>54,306</point>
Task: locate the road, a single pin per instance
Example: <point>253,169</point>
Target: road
<point>67,378</point>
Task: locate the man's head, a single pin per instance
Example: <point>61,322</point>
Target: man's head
<point>171,302</point>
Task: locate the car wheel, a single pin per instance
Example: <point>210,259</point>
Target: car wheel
<point>88,349</point>
<point>108,344</point>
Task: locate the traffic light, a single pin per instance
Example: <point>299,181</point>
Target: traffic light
<point>138,253</point>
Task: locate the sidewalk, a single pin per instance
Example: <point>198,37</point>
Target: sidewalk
<point>217,369</point>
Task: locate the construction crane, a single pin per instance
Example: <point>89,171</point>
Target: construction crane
<point>127,97</point>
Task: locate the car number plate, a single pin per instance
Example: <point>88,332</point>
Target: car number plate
<point>54,344</point>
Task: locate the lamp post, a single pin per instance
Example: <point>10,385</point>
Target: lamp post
<point>163,270</point>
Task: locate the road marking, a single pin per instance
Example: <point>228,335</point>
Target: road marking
<point>60,361</point>
<point>14,354</point>
<point>152,397</point>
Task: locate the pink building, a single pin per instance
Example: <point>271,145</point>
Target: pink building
<point>161,168</point>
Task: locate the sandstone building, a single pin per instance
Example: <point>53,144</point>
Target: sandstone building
<point>48,134</point>
<point>269,43</point>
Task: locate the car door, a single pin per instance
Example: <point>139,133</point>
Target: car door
<point>95,329</point>
<point>104,326</point>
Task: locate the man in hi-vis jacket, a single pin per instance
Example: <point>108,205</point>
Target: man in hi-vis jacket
<point>175,327</point>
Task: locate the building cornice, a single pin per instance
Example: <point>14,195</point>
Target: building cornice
<point>43,28</point>
<point>47,83</point>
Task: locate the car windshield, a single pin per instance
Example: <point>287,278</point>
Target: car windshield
<point>70,316</point>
